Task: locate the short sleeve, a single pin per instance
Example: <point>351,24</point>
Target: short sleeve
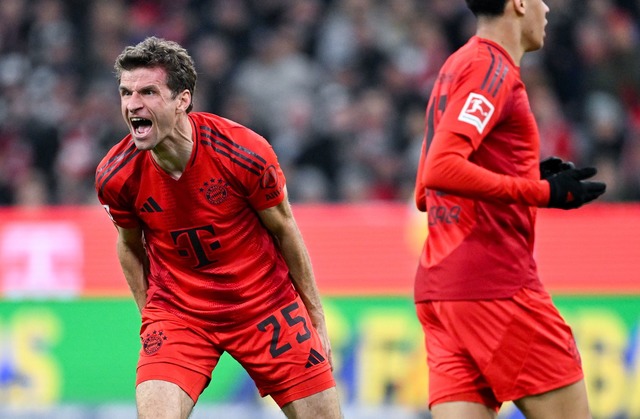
<point>265,181</point>
<point>118,211</point>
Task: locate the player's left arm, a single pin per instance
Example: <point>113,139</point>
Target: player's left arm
<point>280,222</point>
<point>448,169</point>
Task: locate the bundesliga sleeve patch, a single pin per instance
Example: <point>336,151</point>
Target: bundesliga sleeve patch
<point>476,111</point>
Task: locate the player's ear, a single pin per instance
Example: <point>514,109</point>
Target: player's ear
<point>519,6</point>
<point>184,100</point>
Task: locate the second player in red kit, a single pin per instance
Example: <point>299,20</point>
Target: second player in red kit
<point>491,330</point>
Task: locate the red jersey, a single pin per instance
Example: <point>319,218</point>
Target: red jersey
<point>210,257</point>
<point>480,242</point>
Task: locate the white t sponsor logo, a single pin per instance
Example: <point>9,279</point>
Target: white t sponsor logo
<point>477,111</point>
<point>41,259</point>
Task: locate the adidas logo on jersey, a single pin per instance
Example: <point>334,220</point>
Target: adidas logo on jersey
<point>150,205</point>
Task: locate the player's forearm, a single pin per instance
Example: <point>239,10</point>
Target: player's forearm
<point>297,258</point>
<point>281,224</point>
<point>133,262</point>
<point>448,170</point>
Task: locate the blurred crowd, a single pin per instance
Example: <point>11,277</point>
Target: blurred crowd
<point>338,87</point>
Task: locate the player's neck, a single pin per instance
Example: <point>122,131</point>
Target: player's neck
<point>174,152</point>
<point>505,33</point>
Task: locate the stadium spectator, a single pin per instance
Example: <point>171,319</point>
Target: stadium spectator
<point>53,56</point>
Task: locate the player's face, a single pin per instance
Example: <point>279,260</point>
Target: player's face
<point>148,106</point>
<point>534,24</point>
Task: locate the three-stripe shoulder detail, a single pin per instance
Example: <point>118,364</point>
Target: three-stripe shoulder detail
<point>112,166</point>
<point>236,153</point>
<point>495,75</point>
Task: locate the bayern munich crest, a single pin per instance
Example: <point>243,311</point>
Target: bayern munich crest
<point>152,342</point>
<point>215,190</point>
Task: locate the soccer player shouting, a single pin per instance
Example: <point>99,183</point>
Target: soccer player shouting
<point>209,247</point>
<point>492,333</point>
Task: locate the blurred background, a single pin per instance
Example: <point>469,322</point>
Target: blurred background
<point>339,88</point>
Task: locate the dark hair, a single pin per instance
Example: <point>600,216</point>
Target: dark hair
<point>487,7</point>
<point>169,55</point>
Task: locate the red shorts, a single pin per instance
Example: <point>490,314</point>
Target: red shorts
<point>492,351</point>
<point>282,353</point>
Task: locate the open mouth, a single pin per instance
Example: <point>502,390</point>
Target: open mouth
<point>141,126</point>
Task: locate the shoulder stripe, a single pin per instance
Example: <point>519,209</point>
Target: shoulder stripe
<point>236,161</point>
<point>496,74</point>
<point>489,71</point>
<point>238,154</point>
<point>110,164</point>
<point>227,151</point>
<point>104,169</point>
<point>505,70</point>
<point>232,143</point>
<point>115,164</point>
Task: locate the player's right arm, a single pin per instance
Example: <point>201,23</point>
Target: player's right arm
<point>116,177</point>
<point>134,262</point>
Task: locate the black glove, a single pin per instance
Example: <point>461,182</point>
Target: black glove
<point>569,189</point>
<point>552,165</point>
